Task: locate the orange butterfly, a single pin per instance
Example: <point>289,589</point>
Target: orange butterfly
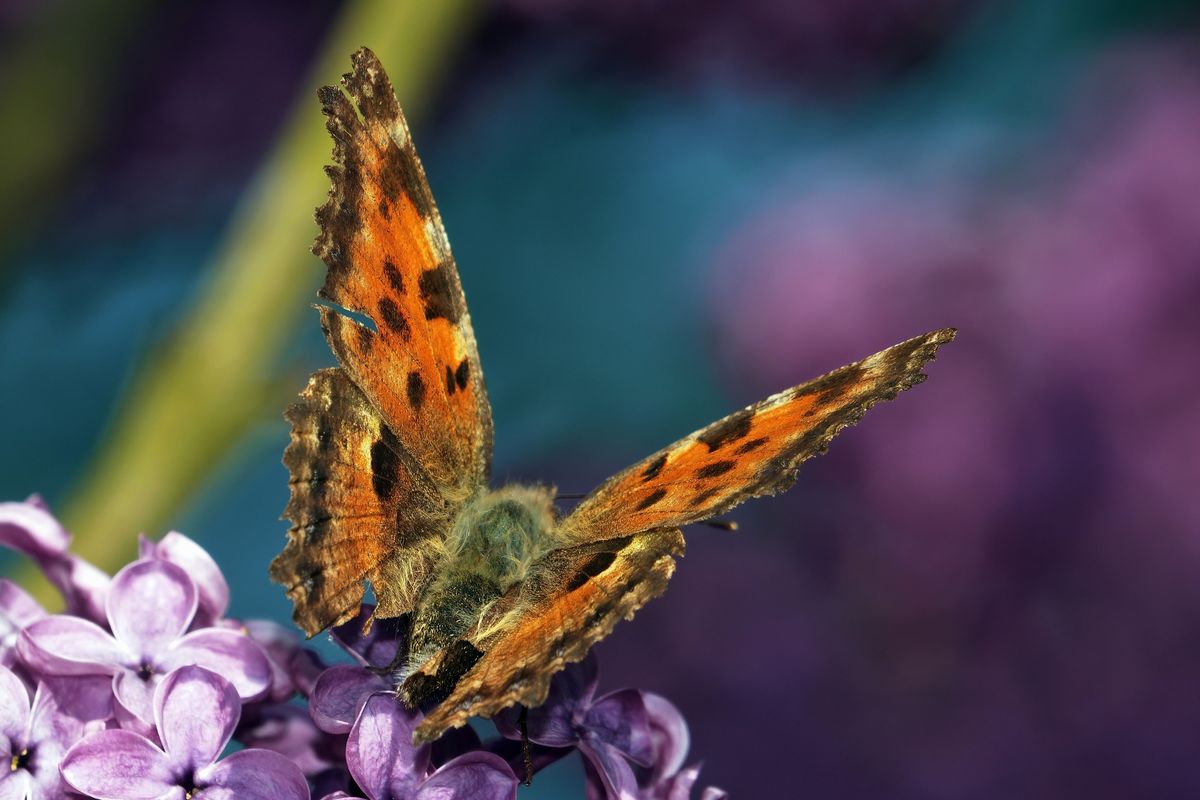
<point>390,455</point>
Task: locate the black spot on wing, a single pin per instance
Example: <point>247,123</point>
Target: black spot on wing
<point>416,390</point>
<point>424,690</point>
<point>751,446</point>
<point>450,383</point>
<point>836,384</point>
<point>596,565</point>
<point>437,293</point>
<point>462,374</point>
<point>714,469</point>
<point>651,472</point>
<point>651,499</point>
<point>394,278</point>
<point>701,499</point>
<point>393,318</point>
<point>385,464</point>
<point>401,176</point>
<point>730,429</point>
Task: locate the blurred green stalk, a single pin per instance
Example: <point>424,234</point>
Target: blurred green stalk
<point>196,396</point>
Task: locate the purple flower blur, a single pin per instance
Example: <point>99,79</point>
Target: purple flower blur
<point>138,696</point>
<point>195,712</point>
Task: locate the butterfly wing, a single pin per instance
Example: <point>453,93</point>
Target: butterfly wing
<point>571,599</point>
<point>389,259</point>
<point>357,513</point>
<point>752,452</point>
<point>385,449</point>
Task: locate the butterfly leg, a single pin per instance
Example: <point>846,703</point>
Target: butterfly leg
<point>523,723</point>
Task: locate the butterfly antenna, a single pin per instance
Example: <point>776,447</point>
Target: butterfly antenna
<point>570,496</point>
<point>523,724</point>
<point>721,524</point>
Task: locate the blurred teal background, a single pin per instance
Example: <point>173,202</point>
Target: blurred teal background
<point>663,211</point>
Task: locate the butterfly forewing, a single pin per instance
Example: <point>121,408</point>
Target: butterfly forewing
<point>753,452</point>
<point>389,258</point>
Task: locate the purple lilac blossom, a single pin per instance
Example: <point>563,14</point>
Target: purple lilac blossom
<point>150,606</point>
<point>195,713</point>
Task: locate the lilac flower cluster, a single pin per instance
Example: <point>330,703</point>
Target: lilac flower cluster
<point>139,689</point>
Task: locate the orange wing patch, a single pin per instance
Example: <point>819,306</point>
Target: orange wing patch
<point>753,452</point>
<point>389,258</point>
<point>571,599</point>
<point>357,511</point>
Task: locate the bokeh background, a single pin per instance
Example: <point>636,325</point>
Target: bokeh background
<point>663,211</point>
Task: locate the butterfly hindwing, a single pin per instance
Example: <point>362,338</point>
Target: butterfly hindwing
<point>753,452</point>
<point>357,512</point>
<point>389,259</point>
<point>571,599</point>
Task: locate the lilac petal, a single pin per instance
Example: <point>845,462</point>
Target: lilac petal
<point>252,775</point>
<point>195,711</point>
<point>677,787</point>
<point>289,731</point>
<point>471,776</point>
<point>30,529</point>
<point>713,793</point>
<point>17,610</point>
<point>380,752</point>
<point>14,706</point>
<point>62,645</point>
<point>15,785</point>
<point>293,666</point>
<point>377,647</point>
<point>128,721</point>
<point>200,567</point>
<point>118,765</point>
<point>339,695</point>
<point>305,668</point>
<point>669,735</point>
<point>231,654</point>
<point>454,743</point>
<point>554,722</point>
<point>620,719</point>
<point>611,769</point>
<point>150,604</point>
<point>340,796</point>
<point>18,606</point>
<point>135,694</point>
<point>84,585</point>
<point>64,708</point>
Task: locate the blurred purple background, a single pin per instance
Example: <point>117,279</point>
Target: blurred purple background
<point>990,588</point>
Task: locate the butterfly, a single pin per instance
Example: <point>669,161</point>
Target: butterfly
<point>390,455</point>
